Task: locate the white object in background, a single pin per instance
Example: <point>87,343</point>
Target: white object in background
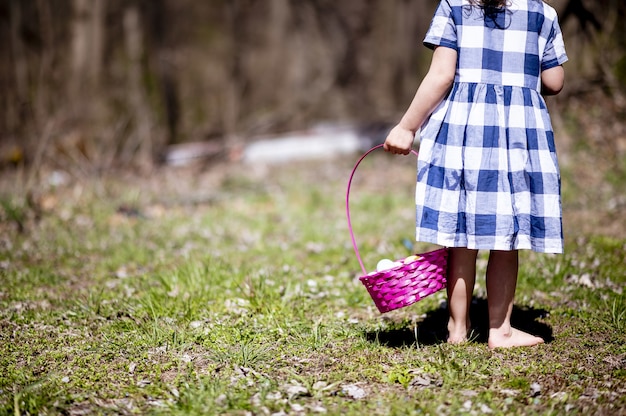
<point>306,145</point>
<point>386,264</point>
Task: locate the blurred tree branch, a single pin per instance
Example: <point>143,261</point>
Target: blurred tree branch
<point>577,9</point>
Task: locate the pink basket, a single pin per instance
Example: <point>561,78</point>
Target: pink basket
<point>411,280</point>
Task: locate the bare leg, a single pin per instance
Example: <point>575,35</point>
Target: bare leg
<point>501,284</point>
<point>460,288</point>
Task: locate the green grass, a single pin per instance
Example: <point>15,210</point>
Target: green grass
<point>245,301</point>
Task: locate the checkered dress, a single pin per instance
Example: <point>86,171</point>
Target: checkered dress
<point>488,176</point>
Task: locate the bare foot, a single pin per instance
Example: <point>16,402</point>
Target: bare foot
<point>514,338</point>
<point>457,339</point>
<point>458,334</point>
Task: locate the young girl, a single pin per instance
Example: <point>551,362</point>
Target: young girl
<point>488,177</point>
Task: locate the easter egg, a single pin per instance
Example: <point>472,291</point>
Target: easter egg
<point>385,264</point>
<point>410,259</point>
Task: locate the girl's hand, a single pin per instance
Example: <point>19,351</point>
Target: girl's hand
<point>399,140</point>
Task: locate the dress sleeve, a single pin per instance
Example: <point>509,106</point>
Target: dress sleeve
<point>442,31</point>
<point>554,53</point>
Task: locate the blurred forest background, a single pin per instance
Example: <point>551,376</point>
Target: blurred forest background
<point>112,83</point>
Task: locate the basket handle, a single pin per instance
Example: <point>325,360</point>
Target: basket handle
<point>356,249</point>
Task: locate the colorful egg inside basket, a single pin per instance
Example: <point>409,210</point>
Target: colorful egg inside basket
<point>410,280</point>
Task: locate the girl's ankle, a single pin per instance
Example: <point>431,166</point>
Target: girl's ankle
<point>458,332</point>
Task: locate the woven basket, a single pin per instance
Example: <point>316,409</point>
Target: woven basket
<point>411,280</point>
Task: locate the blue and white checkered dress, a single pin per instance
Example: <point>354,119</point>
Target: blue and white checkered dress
<point>488,176</point>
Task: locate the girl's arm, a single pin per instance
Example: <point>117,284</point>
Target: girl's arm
<point>552,80</point>
<point>431,91</point>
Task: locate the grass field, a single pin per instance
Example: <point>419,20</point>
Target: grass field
<point>235,291</point>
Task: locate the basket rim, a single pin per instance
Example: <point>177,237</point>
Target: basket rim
<point>429,257</point>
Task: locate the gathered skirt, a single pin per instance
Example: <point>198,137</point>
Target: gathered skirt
<point>488,175</point>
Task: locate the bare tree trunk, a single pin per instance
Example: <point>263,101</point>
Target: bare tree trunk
<point>164,64</point>
<point>233,89</point>
<point>141,142</point>
<point>80,46</point>
<point>20,65</point>
<point>42,104</point>
<point>96,41</point>
<point>87,46</point>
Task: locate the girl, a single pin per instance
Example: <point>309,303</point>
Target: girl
<point>488,176</point>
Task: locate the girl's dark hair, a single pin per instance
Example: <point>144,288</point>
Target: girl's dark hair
<point>488,4</point>
<point>493,10</point>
